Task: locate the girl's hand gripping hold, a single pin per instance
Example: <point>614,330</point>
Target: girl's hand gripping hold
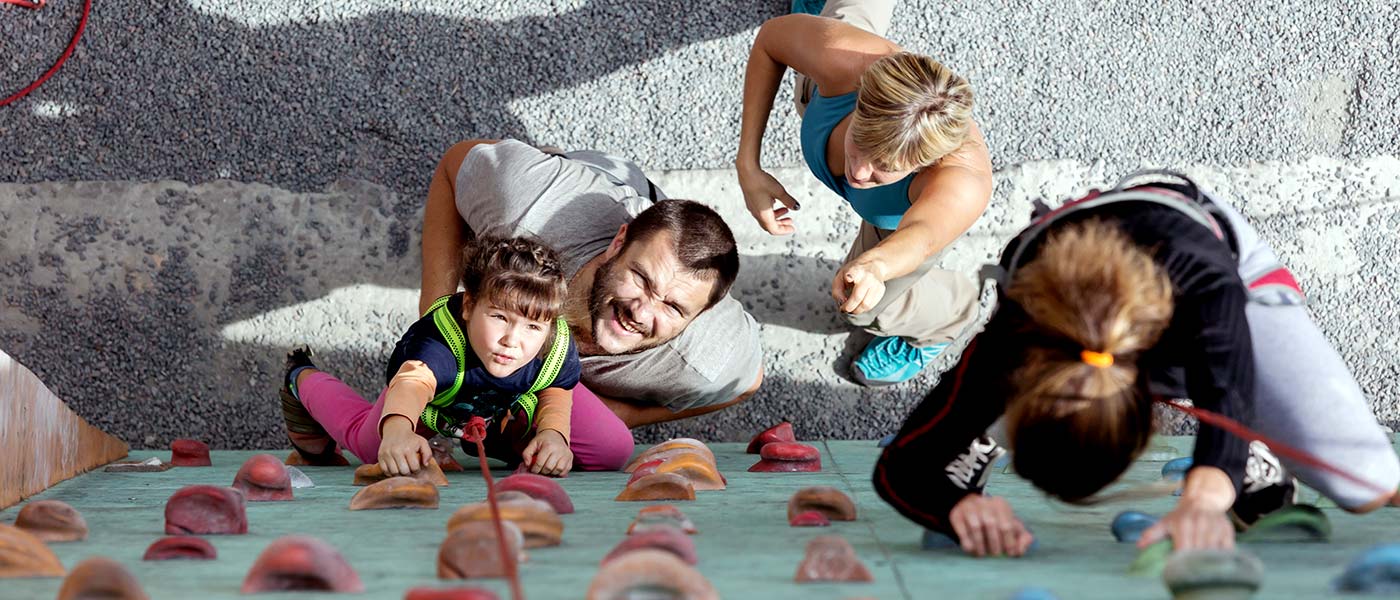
<point>402,451</point>
<point>548,454</point>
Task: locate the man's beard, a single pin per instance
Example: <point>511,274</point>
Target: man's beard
<point>601,308</point>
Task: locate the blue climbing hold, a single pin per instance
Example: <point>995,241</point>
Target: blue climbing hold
<point>1033,593</point>
<point>1002,462</point>
<point>1128,525</point>
<point>934,540</point>
<point>808,7</point>
<point>1376,571</point>
<point>887,440</point>
<point>1176,468</point>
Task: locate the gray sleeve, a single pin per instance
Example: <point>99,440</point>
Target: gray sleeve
<point>723,355</point>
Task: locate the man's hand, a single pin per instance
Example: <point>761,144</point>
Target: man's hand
<point>549,454</point>
<point>987,527</point>
<point>402,451</point>
<point>761,190</point>
<point>857,288</point>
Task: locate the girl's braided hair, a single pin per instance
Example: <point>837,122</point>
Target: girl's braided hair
<point>517,274</point>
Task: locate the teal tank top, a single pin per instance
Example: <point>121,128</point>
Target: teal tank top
<point>881,206</point>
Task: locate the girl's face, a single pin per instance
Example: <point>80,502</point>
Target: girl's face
<point>504,340</point>
<point>862,173</point>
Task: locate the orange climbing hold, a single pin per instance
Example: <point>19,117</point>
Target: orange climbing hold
<point>472,552</point>
<point>670,448</point>
<point>52,521</point>
<point>650,573</point>
<point>661,515</point>
<point>825,499</point>
<point>831,558</point>
<point>396,492</point>
<point>658,486</point>
<point>23,555</point>
<point>101,577</point>
<point>372,473</point>
<point>536,519</point>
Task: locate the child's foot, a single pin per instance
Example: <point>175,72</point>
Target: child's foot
<point>306,435</point>
<point>1267,487</point>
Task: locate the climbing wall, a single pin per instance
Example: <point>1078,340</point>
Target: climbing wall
<point>42,441</point>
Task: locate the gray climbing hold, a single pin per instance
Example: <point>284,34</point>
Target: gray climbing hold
<point>1176,468</point>
<point>1297,523</point>
<point>1033,593</point>
<point>887,440</point>
<point>1128,526</point>
<point>299,479</point>
<point>1213,575</point>
<point>1375,571</point>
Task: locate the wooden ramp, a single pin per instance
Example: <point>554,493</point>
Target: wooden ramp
<point>42,441</point>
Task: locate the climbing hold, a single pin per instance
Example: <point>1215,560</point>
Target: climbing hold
<point>652,574</point>
<point>787,457</point>
<point>297,563</point>
<point>670,448</point>
<point>1295,523</point>
<point>831,558</point>
<point>23,555</point>
<point>1213,574</point>
<point>886,441</point>
<point>1176,468</point>
<point>810,518</point>
<point>181,547</point>
<point>263,478</point>
<point>442,454</point>
<point>702,474</point>
<point>299,479</point>
<point>100,577</point>
<point>536,519</point>
<point>189,453</point>
<point>206,510</point>
<point>660,515</point>
<point>829,501</point>
<point>472,552</point>
<point>150,465</point>
<point>658,486</point>
<point>336,459</point>
<point>668,538</point>
<point>52,521</point>
<point>430,473</point>
<point>1129,525</point>
<point>538,487</point>
<point>427,593</point>
<point>1375,571</point>
<point>396,492</point>
<point>644,469</point>
<point>782,432</point>
<point>1033,593</point>
<point>1152,559</point>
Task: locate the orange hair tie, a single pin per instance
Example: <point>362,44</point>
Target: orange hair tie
<point>1102,360</point>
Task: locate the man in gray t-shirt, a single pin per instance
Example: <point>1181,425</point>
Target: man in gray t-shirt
<point>660,337</point>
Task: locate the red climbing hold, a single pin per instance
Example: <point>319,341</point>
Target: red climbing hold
<point>52,521</point>
<point>787,457</point>
<point>644,469</point>
<point>668,538</point>
<point>262,478</point>
<point>206,510</point>
<point>829,501</point>
<point>189,453</point>
<point>181,547</point>
<point>782,432</point>
<point>427,593</point>
<point>538,487</point>
<point>296,563</point>
<point>101,577</point>
<point>810,518</point>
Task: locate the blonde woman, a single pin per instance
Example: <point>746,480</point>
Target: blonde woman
<point>1117,301</point>
<point>892,133</point>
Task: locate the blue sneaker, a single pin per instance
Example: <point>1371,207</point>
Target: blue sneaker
<point>891,360</point>
<point>808,7</point>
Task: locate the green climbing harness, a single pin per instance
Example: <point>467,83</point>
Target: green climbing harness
<point>435,415</point>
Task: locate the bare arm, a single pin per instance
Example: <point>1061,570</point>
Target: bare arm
<point>635,414</point>
<point>444,232</point>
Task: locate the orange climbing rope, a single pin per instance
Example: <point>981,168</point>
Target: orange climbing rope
<point>82,23</point>
<point>475,431</point>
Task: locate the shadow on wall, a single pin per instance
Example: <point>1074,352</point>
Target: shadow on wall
<point>167,91</point>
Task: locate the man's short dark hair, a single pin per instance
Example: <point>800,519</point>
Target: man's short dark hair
<point>701,240</point>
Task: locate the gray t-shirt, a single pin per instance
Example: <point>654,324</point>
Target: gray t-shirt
<point>511,189</point>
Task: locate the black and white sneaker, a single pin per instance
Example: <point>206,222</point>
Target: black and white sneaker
<point>1267,487</point>
<point>970,470</point>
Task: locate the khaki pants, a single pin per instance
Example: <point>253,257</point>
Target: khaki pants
<point>926,307</point>
<point>870,15</point>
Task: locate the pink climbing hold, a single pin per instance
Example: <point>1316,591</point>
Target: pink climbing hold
<point>181,547</point>
<point>811,518</point>
<point>206,510</point>
<point>644,469</point>
<point>297,562</point>
<point>538,487</point>
<point>831,558</point>
<point>189,453</point>
<point>263,479</point>
<point>782,432</point>
<point>427,593</point>
<point>669,538</point>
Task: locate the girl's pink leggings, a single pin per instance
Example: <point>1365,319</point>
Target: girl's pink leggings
<point>599,440</point>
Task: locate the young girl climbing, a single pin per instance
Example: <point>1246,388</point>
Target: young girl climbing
<point>498,350</point>
<point>1113,302</point>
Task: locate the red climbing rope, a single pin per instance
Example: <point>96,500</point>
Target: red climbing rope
<point>475,431</point>
<point>1277,447</point>
<point>82,23</point>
